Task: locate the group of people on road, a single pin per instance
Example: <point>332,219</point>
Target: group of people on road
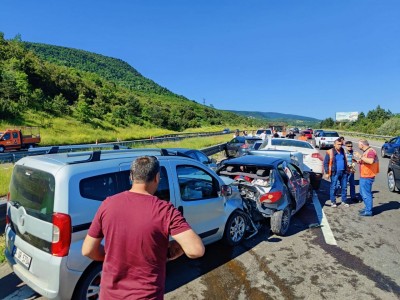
<point>340,166</point>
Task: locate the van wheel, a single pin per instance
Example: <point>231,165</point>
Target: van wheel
<point>235,229</point>
<point>391,181</point>
<point>89,285</point>
<point>280,221</point>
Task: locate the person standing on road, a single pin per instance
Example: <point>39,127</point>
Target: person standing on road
<point>335,168</point>
<point>369,168</point>
<point>136,226</point>
<point>302,137</point>
<point>348,150</point>
<point>290,135</point>
<point>263,135</point>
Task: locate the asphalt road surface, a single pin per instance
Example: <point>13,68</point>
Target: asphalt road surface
<point>328,253</point>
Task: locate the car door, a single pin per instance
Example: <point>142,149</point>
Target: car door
<point>395,162</point>
<point>197,196</point>
<point>299,185</point>
<point>392,144</point>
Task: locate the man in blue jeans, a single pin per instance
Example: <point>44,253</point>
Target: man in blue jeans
<point>335,166</point>
<point>369,168</point>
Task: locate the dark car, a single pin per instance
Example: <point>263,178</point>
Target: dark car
<point>226,130</point>
<point>270,187</point>
<point>393,173</point>
<point>239,145</point>
<point>389,146</point>
<point>192,153</point>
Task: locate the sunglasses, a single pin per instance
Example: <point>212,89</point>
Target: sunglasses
<point>349,146</point>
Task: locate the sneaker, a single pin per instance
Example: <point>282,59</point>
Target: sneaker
<point>333,205</point>
<point>365,214</point>
<point>361,211</point>
<point>345,204</point>
<point>356,200</point>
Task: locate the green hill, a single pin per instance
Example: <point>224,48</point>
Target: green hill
<point>294,120</point>
<point>93,89</point>
<point>109,68</point>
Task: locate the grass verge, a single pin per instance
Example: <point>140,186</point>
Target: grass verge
<point>5,176</point>
<point>2,248</point>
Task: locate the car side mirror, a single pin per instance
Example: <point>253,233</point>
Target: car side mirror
<point>226,190</point>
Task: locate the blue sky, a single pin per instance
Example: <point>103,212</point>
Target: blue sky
<point>310,58</point>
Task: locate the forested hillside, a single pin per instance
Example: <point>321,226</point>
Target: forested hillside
<point>93,89</point>
<point>279,117</point>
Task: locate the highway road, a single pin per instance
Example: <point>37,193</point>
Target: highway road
<point>344,257</point>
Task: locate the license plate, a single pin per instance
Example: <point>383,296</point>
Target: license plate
<point>23,258</point>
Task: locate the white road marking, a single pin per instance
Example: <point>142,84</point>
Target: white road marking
<point>323,221</point>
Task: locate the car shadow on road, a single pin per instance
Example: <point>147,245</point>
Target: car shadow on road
<point>392,205</point>
<point>8,284</point>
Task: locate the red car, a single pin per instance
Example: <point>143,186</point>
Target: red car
<point>308,134</point>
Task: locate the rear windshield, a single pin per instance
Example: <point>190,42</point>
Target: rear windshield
<point>34,190</point>
<point>331,134</point>
<point>267,131</point>
<point>290,143</point>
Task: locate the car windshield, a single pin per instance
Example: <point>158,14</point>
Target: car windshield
<point>331,134</point>
<point>290,143</point>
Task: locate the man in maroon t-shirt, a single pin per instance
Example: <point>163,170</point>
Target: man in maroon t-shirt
<point>136,227</point>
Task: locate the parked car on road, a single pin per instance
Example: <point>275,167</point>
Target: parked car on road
<point>192,153</point>
<point>389,146</point>
<point>239,145</point>
<point>326,139</point>
<point>393,173</point>
<point>226,130</point>
<point>308,134</point>
<point>53,199</point>
<point>270,188</point>
<point>312,159</point>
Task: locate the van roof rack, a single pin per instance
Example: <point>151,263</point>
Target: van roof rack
<point>97,154</point>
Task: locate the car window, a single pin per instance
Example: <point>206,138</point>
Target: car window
<point>15,135</point>
<point>331,134</point>
<point>196,184</point>
<point>290,143</point>
<point>6,136</point>
<point>98,187</point>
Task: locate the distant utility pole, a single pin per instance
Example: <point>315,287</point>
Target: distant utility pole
<point>204,101</point>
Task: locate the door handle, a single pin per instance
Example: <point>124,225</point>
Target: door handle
<point>180,208</point>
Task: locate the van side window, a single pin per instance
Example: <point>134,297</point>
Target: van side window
<point>15,135</point>
<point>98,187</point>
<point>196,184</point>
<point>163,192</point>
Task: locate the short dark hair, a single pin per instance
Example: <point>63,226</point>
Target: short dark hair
<point>348,143</point>
<point>144,169</point>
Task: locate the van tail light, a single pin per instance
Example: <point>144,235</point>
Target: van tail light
<point>244,146</point>
<point>317,155</point>
<point>61,234</point>
<point>271,197</point>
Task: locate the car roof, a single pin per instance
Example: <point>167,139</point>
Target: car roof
<point>253,160</point>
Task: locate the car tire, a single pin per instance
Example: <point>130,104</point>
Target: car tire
<point>280,221</point>
<point>383,153</point>
<point>235,228</point>
<point>391,181</point>
<point>89,284</point>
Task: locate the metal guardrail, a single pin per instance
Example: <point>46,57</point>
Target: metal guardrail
<point>12,157</point>
<point>366,135</point>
